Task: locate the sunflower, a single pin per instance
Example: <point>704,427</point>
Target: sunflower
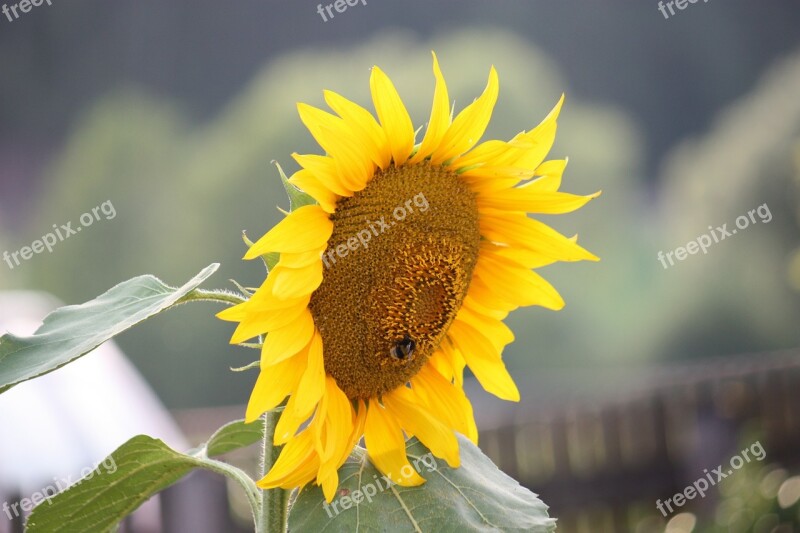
<point>397,279</point>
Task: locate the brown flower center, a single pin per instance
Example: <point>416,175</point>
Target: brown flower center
<point>396,270</point>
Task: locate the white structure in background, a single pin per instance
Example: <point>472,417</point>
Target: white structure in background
<point>56,426</point>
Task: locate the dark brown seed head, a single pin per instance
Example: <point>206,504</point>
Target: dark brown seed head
<point>384,307</point>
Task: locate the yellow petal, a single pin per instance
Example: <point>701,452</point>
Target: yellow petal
<point>353,164</point>
<point>514,254</point>
<point>468,127</point>
<point>551,173</point>
<point>358,424</point>
<point>483,154</point>
<point>369,133</point>
<point>493,329</point>
<point>338,418</point>
<point>393,116</point>
<point>440,116</point>
<point>306,395</point>
<point>264,300</point>
<point>503,174</point>
<point>517,228</point>
<point>296,465</point>
<point>260,322</point>
<point>273,385</point>
<point>413,417</point>
<point>326,171</point>
<point>525,198</point>
<point>304,229</point>
<point>327,129</point>
<point>487,185</point>
<point>234,314</point>
<point>290,421</point>
<point>262,313</point>
<point>484,361</point>
<point>312,384</point>
<point>473,305</point>
<point>456,359</point>
<point>287,341</point>
<point>329,485</point>
<point>307,182</point>
<point>442,363</point>
<point>299,260</point>
<point>330,480</point>
<point>525,151</point>
<point>387,448</point>
<point>445,401</point>
<point>517,284</point>
<point>339,426</point>
<point>536,143</point>
<point>487,297</point>
<point>297,282</point>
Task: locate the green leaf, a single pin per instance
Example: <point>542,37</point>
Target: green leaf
<point>71,332</point>
<point>475,497</point>
<point>297,198</point>
<point>233,436</point>
<point>143,467</point>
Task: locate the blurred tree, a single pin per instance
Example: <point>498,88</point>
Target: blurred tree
<point>737,297</point>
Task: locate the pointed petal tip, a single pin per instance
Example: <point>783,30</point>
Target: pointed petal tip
<point>249,418</point>
<point>224,314</point>
<point>252,412</point>
<point>328,490</point>
<point>238,338</point>
<point>589,255</point>
<point>512,394</point>
<point>556,111</point>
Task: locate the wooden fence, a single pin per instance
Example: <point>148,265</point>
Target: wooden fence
<point>601,464</point>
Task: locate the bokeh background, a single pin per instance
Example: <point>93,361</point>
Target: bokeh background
<point>174,112</point>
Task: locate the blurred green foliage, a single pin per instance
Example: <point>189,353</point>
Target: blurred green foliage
<point>739,297</point>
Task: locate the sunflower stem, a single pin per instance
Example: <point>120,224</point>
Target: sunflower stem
<point>274,502</point>
<point>227,297</point>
